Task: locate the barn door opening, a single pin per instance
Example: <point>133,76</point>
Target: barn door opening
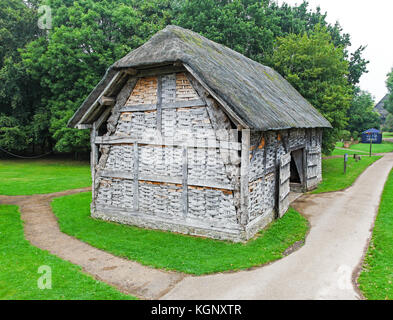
<point>297,170</point>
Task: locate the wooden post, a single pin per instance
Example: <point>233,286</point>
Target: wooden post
<point>277,169</point>
<point>371,143</point>
<point>159,103</point>
<point>136,178</point>
<point>244,176</point>
<point>185,182</point>
<point>93,157</point>
<point>305,170</point>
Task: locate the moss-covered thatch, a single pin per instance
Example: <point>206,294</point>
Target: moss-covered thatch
<point>257,94</point>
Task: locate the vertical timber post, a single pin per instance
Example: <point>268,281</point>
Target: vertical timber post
<point>93,157</point>
<point>159,104</point>
<point>244,175</point>
<point>277,170</point>
<point>185,182</point>
<point>136,177</point>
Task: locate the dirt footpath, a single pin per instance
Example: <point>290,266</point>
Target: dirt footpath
<point>325,267</point>
<point>42,230</point>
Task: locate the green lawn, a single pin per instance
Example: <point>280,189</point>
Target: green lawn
<point>173,251</point>
<point>333,175</point>
<point>387,135</point>
<point>19,263</point>
<point>21,177</point>
<point>339,152</point>
<point>384,147</point>
<point>376,277</point>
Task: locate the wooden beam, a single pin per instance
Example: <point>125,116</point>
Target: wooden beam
<point>159,103</point>
<point>277,169</point>
<point>84,126</point>
<point>93,157</point>
<point>185,182</point>
<point>87,113</point>
<point>191,143</point>
<point>244,176</point>
<point>136,177</point>
<point>139,108</point>
<point>102,118</point>
<point>159,71</point>
<point>130,71</point>
<point>170,105</point>
<point>107,101</point>
<point>167,179</point>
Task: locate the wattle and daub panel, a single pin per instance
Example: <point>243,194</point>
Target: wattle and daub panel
<point>176,178</point>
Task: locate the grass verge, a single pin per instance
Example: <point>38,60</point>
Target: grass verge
<point>19,263</point>
<point>333,175</point>
<point>376,278</point>
<point>340,152</point>
<point>26,177</point>
<point>383,147</point>
<point>170,251</point>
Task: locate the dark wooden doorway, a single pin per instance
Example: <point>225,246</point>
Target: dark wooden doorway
<point>297,170</point>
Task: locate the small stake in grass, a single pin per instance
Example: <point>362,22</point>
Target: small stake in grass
<point>345,162</point>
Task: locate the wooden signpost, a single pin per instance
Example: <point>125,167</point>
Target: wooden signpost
<point>371,142</point>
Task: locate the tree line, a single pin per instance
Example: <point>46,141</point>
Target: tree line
<point>46,74</point>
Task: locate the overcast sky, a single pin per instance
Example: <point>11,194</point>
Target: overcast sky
<point>369,23</point>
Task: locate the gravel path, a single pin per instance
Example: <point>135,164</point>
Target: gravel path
<point>42,230</point>
<point>326,267</point>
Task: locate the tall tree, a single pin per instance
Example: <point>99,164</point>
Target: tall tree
<point>19,93</point>
<point>388,105</point>
<point>87,37</point>
<point>361,115</point>
<point>319,71</point>
<point>44,81</point>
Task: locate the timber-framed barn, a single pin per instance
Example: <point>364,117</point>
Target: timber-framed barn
<point>190,136</point>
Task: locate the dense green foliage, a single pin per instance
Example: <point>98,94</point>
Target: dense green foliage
<point>23,177</point>
<point>318,70</point>
<point>19,263</point>
<point>19,93</point>
<point>361,113</point>
<point>333,175</point>
<point>376,278</point>
<point>388,105</point>
<point>388,125</point>
<point>46,75</point>
<point>173,251</point>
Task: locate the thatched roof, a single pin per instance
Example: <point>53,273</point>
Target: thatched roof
<point>256,94</point>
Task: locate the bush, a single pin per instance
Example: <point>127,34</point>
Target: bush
<point>345,135</point>
<point>388,123</point>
